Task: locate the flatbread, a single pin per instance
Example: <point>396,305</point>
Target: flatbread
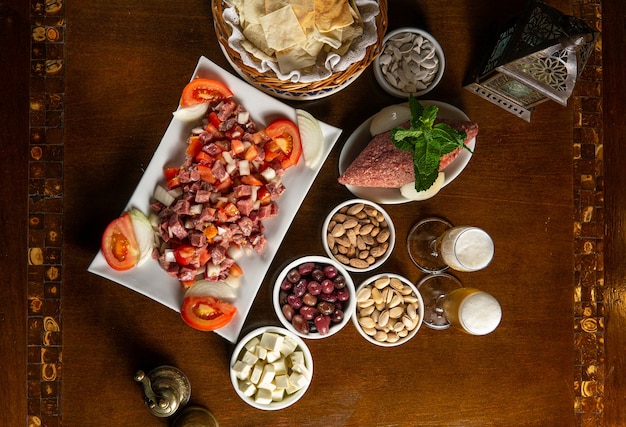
<point>287,33</point>
<point>332,14</point>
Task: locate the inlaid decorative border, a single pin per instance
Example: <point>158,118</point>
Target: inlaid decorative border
<point>589,231</point>
<point>45,213</point>
<point>45,231</point>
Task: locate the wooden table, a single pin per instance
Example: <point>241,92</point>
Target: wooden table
<point>98,123</point>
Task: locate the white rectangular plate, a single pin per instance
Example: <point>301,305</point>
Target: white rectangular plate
<point>150,279</point>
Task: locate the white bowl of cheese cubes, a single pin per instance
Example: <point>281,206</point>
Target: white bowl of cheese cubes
<point>271,368</point>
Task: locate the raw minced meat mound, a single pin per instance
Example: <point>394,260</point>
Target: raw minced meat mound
<point>383,165</point>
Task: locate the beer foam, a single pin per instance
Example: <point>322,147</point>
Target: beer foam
<point>474,249</point>
<point>480,313</point>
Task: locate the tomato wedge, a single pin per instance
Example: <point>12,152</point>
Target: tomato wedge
<point>119,245</point>
<point>286,136</point>
<point>206,313</point>
<point>191,255</point>
<point>204,90</point>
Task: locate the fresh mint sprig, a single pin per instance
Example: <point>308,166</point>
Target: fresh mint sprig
<point>427,141</point>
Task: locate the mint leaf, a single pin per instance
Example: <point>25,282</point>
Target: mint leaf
<point>428,142</point>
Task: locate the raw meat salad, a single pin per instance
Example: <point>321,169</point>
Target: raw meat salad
<point>214,204</point>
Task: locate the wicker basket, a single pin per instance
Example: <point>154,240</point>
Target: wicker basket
<point>269,82</point>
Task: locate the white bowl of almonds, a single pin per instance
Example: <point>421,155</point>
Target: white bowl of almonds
<point>359,234</point>
<point>389,310</point>
<point>411,61</point>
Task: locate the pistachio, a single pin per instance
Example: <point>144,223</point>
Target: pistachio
<point>383,303</point>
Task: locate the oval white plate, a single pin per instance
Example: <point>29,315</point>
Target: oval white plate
<point>361,137</point>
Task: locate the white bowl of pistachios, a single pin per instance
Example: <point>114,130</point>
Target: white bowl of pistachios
<point>389,310</point>
<point>411,62</point>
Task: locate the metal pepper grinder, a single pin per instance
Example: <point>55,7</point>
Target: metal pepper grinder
<point>166,389</point>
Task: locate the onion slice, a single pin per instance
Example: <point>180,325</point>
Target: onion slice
<point>216,289</point>
<point>144,234</point>
<point>409,191</point>
<point>313,142</point>
<point>189,114</point>
<point>388,118</point>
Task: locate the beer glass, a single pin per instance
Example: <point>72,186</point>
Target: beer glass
<point>435,245</point>
<point>447,303</point>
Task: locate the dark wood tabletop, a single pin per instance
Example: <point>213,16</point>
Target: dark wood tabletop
<point>75,143</point>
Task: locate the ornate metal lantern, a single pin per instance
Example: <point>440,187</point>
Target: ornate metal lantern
<point>537,58</point>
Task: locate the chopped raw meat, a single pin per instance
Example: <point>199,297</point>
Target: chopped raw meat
<point>213,209</point>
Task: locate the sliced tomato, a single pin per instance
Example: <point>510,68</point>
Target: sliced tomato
<point>206,174</point>
<point>170,173</point>
<point>206,313</point>
<point>224,184</point>
<point>119,245</point>
<point>251,180</point>
<point>251,153</point>
<point>264,196</point>
<point>191,255</point>
<point>286,136</point>
<point>214,120</point>
<point>194,146</point>
<point>235,270</point>
<point>204,90</point>
<point>237,146</point>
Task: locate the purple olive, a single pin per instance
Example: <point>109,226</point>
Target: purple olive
<point>326,307</point>
<point>306,268</point>
<point>318,274</point>
<point>310,300</point>
<point>339,281</point>
<point>286,285</point>
<point>308,312</point>
<point>294,301</point>
<point>337,316</point>
<point>343,294</point>
<point>300,324</point>
<point>328,286</point>
<point>288,312</point>
<point>299,289</point>
<point>330,271</point>
<point>314,288</point>
<point>322,323</point>
<point>293,275</point>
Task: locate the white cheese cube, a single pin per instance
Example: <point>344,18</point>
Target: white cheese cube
<point>272,341</point>
<point>263,396</point>
<point>289,346</point>
<point>281,381</point>
<point>250,358</point>
<point>268,374</point>
<point>261,352</point>
<point>278,394</point>
<point>268,386</point>
<point>280,366</point>
<point>242,370</point>
<point>297,380</point>
<point>297,357</point>
<point>247,388</point>
<point>273,356</point>
<point>301,369</point>
<point>251,345</point>
<point>257,371</point>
